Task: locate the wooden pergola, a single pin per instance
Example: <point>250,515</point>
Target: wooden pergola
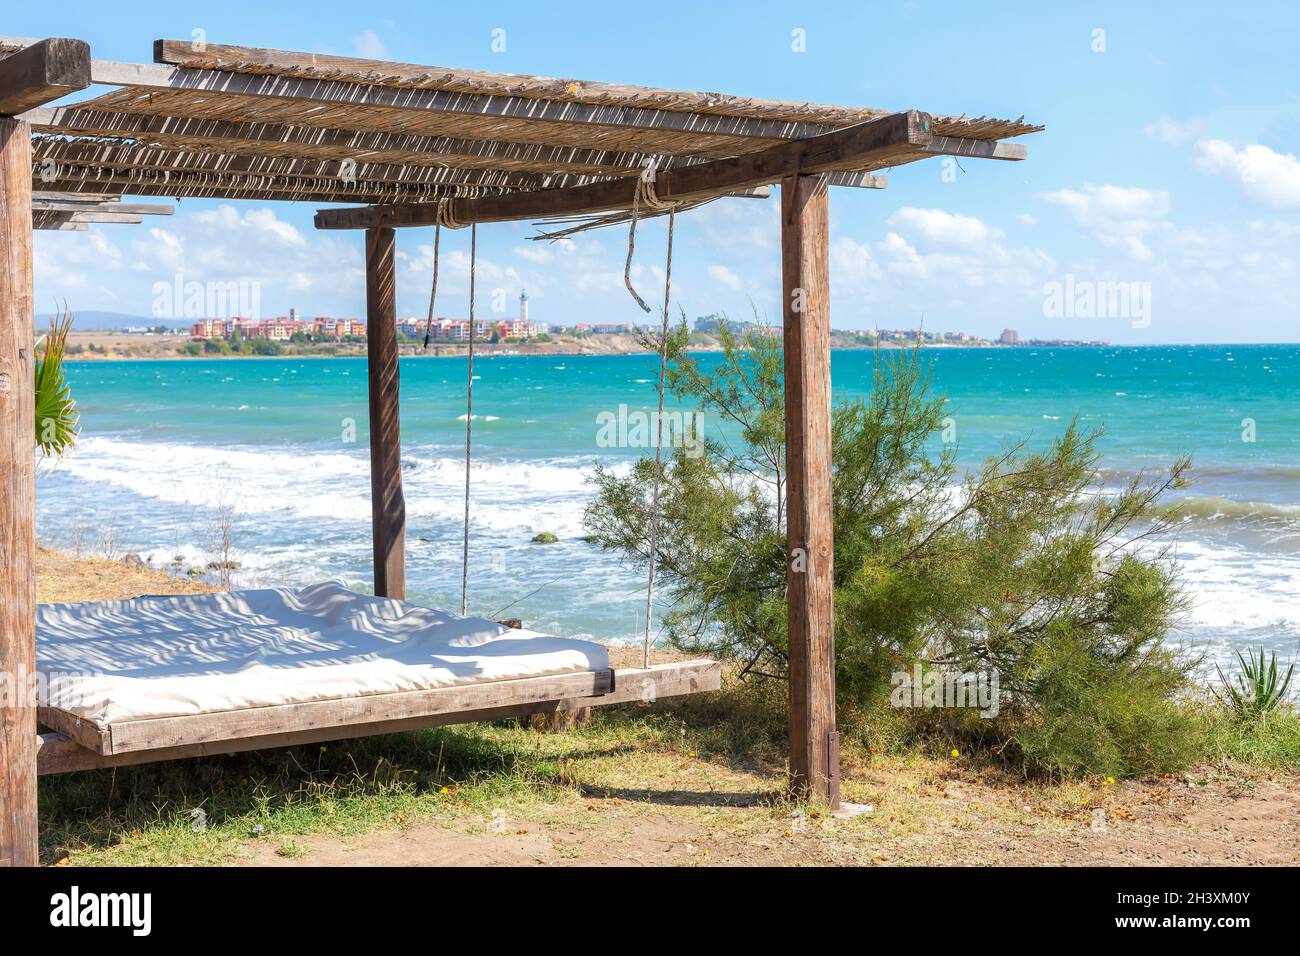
<point>416,145</point>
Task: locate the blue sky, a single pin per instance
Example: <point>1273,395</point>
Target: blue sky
<point>1169,161</point>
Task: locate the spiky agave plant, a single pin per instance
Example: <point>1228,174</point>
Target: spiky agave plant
<point>1258,689</point>
<point>56,409</point>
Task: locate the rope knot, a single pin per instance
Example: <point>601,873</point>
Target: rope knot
<point>443,217</point>
<point>646,194</point>
<point>643,195</point>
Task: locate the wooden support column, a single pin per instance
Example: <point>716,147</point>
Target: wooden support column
<point>388,507</point>
<point>814,742</point>
<point>17,501</point>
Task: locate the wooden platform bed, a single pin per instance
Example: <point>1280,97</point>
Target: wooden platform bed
<point>79,744</point>
<point>167,676</point>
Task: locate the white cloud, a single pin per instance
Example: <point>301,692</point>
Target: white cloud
<point>1117,215</point>
<point>750,226</point>
<point>367,44</point>
<point>540,253</point>
<point>1106,202</point>
<point>265,219</point>
<point>1173,133</point>
<point>258,222</point>
<point>116,268</point>
<point>725,276</point>
<point>932,260</point>
<point>1265,176</point>
<point>940,226</point>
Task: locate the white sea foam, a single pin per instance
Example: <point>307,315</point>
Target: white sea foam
<point>335,485</point>
<point>1236,590</point>
<point>1242,595</point>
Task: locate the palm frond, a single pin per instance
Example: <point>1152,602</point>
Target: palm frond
<point>57,416</point>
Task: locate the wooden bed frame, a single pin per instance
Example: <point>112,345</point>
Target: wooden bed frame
<point>79,744</point>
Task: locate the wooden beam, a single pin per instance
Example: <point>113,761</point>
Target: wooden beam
<point>387,506</point>
<point>353,714</point>
<point>113,206</point>
<point>44,217</point>
<point>357,712</point>
<point>977,148</point>
<point>46,195</point>
<point>229,86</point>
<point>42,72</point>
<point>183,185</point>
<point>899,137</point>
<point>814,770</point>
<point>269,193</point>
<point>17,501</point>
<point>59,753</point>
<point>856,180</point>
<point>86,733</point>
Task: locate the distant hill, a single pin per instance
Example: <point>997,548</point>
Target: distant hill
<point>94,319</point>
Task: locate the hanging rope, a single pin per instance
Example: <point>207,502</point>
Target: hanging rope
<point>631,247</point>
<point>644,194</point>
<point>469,419</point>
<point>433,293</point>
<point>659,438</point>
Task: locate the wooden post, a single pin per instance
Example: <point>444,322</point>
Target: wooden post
<point>388,508</point>
<point>17,501</point>
<point>814,743</point>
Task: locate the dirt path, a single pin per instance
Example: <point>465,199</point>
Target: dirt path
<point>1160,822</point>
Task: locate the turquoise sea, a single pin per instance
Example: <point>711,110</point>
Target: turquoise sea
<point>281,444</point>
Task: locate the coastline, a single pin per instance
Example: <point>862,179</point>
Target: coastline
<point>100,346</point>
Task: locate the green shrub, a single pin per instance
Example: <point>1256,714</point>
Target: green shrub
<point>1028,575</point>
<point>1090,714</point>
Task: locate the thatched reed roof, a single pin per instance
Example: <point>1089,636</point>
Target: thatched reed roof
<point>247,123</point>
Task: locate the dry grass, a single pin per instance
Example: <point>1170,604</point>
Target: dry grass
<point>62,578</point>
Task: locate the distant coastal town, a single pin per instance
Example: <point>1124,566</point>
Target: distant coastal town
<point>320,335</point>
<point>293,328</point>
<point>712,324</point>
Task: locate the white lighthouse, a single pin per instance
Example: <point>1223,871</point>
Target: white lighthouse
<point>523,315</point>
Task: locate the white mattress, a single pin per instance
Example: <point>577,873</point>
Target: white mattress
<point>165,656</point>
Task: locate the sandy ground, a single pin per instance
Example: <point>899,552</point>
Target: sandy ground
<point>61,577</point>
<point>1150,823</point>
<point>688,809</point>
